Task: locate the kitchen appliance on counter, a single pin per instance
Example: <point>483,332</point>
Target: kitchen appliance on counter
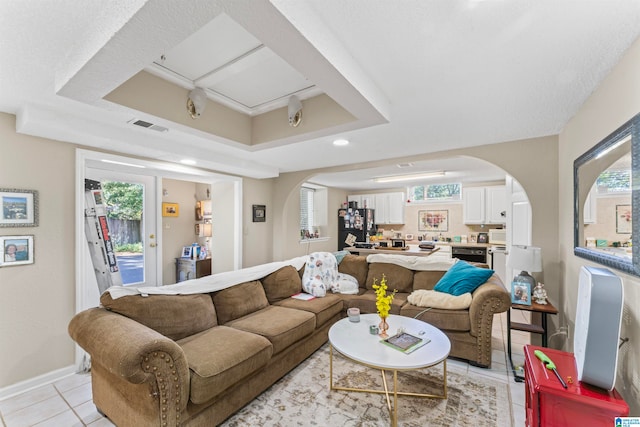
<point>483,238</point>
<point>470,253</point>
<point>498,236</point>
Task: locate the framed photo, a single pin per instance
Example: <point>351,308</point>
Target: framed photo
<point>433,220</point>
<point>259,213</point>
<point>16,250</point>
<point>521,293</point>
<point>186,251</point>
<point>198,230</point>
<point>19,208</point>
<point>623,219</point>
<point>170,209</point>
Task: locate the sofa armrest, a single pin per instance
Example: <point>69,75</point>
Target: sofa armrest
<point>488,299</point>
<point>137,354</point>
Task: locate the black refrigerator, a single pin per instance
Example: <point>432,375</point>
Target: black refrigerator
<point>359,222</point>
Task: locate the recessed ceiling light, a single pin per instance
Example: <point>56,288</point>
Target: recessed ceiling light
<point>411,177</point>
<point>340,142</point>
<point>189,162</point>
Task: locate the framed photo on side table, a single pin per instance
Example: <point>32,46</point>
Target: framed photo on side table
<point>16,250</point>
<point>521,293</point>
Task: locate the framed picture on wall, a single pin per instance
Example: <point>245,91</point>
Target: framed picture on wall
<point>259,213</point>
<point>18,208</point>
<point>623,219</point>
<point>170,209</point>
<point>433,220</point>
<point>16,250</point>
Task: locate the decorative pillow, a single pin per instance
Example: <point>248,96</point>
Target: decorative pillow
<point>320,272</point>
<point>345,284</point>
<point>462,277</point>
<point>340,255</point>
<point>435,299</point>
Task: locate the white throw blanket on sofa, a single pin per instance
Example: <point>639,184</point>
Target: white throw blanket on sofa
<point>211,283</point>
<point>417,263</point>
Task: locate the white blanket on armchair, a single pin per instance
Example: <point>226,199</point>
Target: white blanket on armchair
<point>211,283</point>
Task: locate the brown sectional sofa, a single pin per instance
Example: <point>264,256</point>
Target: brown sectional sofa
<point>196,359</point>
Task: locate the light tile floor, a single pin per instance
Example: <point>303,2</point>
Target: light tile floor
<point>68,402</point>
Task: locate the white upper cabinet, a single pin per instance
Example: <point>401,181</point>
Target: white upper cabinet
<point>484,205</point>
<point>473,207</point>
<point>389,207</point>
<point>395,213</point>
<point>590,207</point>
<point>496,204</point>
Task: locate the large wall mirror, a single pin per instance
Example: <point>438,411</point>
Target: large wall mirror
<point>606,205</point>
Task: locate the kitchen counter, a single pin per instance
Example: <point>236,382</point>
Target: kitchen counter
<point>413,250</point>
<point>456,244</point>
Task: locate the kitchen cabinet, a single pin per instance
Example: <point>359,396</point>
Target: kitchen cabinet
<point>590,207</point>
<point>389,207</point>
<point>496,204</point>
<point>484,205</point>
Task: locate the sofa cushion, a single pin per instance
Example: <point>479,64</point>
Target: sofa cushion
<point>239,300</point>
<point>280,325</point>
<point>447,320</point>
<point>174,316</point>
<point>220,357</point>
<point>398,277</point>
<point>366,302</point>
<point>323,308</point>
<point>426,279</point>
<point>462,277</point>
<point>281,284</point>
<point>356,266</point>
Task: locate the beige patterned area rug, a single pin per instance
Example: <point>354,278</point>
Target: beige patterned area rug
<point>303,398</point>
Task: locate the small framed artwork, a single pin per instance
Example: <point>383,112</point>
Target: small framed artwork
<point>623,219</point>
<point>19,208</point>
<point>198,229</point>
<point>170,209</point>
<point>433,220</point>
<point>16,250</point>
<point>186,251</point>
<point>521,293</point>
<point>259,213</point>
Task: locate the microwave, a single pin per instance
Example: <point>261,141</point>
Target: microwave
<point>498,236</point>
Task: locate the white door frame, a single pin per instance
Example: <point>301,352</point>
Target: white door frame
<point>87,296</point>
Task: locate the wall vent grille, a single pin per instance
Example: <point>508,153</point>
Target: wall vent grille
<point>148,125</point>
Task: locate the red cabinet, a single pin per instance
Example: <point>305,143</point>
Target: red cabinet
<point>549,404</point>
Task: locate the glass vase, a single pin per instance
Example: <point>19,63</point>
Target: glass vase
<point>383,327</point>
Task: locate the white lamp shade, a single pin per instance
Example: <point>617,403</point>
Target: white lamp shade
<point>207,229</point>
<point>525,258</point>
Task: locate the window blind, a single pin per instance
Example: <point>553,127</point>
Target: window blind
<point>306,208</point>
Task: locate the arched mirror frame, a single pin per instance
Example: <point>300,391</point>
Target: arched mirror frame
<point>630,128</point>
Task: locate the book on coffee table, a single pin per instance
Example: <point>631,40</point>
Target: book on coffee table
<point>405,342</point>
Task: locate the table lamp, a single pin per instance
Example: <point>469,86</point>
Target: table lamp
<point>526,259</point>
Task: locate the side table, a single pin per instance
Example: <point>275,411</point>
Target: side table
<point>543,309</point>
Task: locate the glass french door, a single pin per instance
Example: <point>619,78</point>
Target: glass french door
<point>131,207</point>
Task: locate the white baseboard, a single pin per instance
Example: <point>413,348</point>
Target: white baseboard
<point>36,382</point>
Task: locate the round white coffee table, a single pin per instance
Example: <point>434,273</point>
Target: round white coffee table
<point>354,341</point>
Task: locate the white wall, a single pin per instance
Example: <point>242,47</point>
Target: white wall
<point>616,101</point>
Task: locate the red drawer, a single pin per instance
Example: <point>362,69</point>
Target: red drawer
<point>549,404</point>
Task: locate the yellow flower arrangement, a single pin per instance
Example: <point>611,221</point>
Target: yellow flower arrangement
<point>383,300</point>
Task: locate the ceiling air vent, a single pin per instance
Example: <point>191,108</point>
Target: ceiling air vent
<point>148,125</point>
<point>404,165</point>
